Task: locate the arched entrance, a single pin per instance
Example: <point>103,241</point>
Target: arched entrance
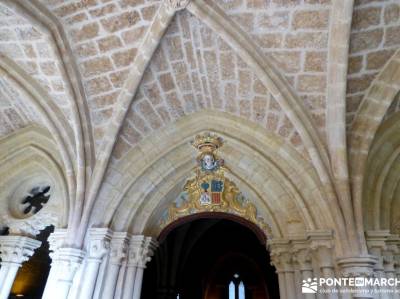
<point>211,257</point>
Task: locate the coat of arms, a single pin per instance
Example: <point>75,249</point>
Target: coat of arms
<point>209,190</point>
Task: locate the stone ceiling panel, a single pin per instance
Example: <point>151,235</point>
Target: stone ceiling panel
<point>295,34</point>
<point>192,70</point>
<point>374,38</point>
<point>105,37</point>
<point>15,110</point>
<point>34,51</point>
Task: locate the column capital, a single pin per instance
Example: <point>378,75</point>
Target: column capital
<point>17,249</point>
<point>376,239</point>
<point>69,259</point>
<point>98,243</point>
<point>281,256</point>
<point>141,249</point>
<point>119,247</point>
<point>358,265</point>
<point>303,257</point>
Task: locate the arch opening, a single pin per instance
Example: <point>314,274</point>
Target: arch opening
<point>200,255</point>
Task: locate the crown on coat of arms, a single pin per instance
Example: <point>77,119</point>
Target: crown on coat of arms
<point>207,142</point>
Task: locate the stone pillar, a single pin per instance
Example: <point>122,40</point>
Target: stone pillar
<point>376,242</point>
<point>98,246</point>
<point>66,262</point>
<point>118,253</point>
<point>141,249</point>
<point>14,251</point>
<point>55,240</point>
<point>282,259</point>
<point>324,256</point>
<point>359,266</point>
<point>303,261</point>
<point>321,245</point>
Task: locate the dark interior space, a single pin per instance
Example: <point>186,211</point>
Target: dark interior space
<point>31,277</point>
<point>201,258</point>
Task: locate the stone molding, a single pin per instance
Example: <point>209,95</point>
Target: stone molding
<point>141,249</point>
<point>69,260</point>
<point>298,252</point>
<point>119,248</point>
<point>99,243</point>
<point>17,249</point>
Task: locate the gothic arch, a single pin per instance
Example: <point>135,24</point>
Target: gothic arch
<point>368,119</point>
<point>33,158</point>
<point>141,189</point>
<point>381,182</point>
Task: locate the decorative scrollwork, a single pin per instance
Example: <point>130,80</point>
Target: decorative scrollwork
<point>209,190</point>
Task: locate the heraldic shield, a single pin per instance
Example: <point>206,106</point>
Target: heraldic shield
<point>209,190</point>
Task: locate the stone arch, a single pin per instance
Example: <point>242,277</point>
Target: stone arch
<point>77,109</point>
<point>32,158</point>
<point>146,177</point>
<point>381,181</point>
<point>368,119</point>
<point>216,20</point>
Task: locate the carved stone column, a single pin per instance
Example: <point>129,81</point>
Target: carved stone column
<point>359,266</point>
<point>376,242</point>
<point>303,261</point>
<point>14,251</point>
<point>98,246</point>
<point>118,253</point>
<point>141,249</point>
<point>282,259</point>
<point>55,240</point>
<point>68,261</point>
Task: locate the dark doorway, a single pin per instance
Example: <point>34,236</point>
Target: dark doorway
<point>32,276</point>
<point>202,258</point>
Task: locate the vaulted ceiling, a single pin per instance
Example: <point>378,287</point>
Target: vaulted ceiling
<point>104,76</point>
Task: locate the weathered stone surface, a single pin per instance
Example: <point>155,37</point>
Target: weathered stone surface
<point>86,32</point>
<point>277,20</point>
<point>376,60</point>
<point>310,19</point>
<point>109,43</point>
<point>392,36</point>
<point>317,40</point>
<point>124,58</point>
<point>311,83</point>
<point>366,17</point>
<point>315,62</point>
<point>358,84</point>
<point>96,66</point>
<point>365,40</point>
<point>288,62</point>
<point>392,13</point>
<point>119,22</point>
<point>355,64</point>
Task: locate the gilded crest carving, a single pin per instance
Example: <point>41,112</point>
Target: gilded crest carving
<point>209,190</point>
